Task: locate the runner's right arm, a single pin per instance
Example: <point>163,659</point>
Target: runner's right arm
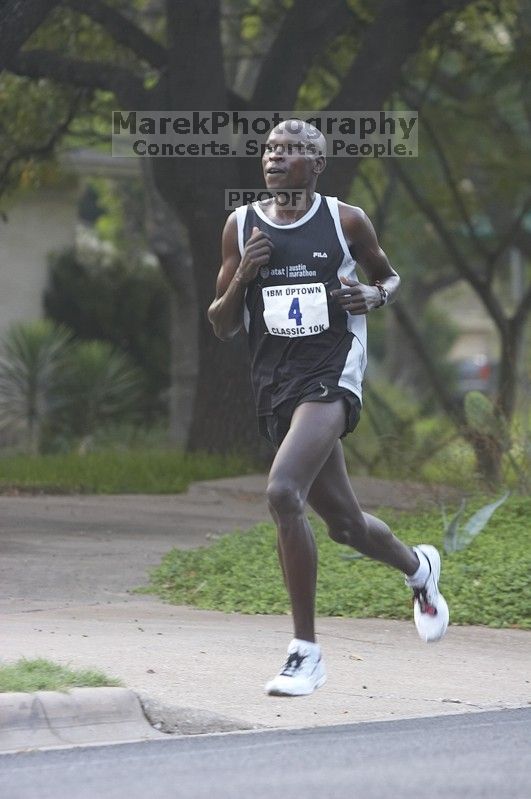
<point>226,311</point>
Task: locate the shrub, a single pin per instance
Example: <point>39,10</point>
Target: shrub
<point>51,386</point>
<point>392,439</point>
<point>126,306</point>
<point>32,360</point>
<point>99,384</point>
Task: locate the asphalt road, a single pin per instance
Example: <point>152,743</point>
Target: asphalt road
<point>484,755</point>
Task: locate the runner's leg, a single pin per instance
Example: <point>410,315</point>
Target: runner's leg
<point>332,498</point>
<point>314,430</point>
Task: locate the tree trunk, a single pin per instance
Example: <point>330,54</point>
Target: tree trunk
<point>184,348</point>
<point>511,346</point>
<point>224,414</point>
<point>488,453</point>
<point>227,424</point>
<point>168,240</point>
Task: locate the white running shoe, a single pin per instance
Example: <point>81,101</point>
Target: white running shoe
<point>302,673</point>
<point>430,610</point>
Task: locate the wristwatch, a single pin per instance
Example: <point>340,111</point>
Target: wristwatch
<point>384,294</point>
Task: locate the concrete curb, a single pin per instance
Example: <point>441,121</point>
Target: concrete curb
<point>81,716</point>
<point>175,719</point>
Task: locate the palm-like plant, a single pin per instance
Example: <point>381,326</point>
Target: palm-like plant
<point>99,384</point>
<point>32,358</point>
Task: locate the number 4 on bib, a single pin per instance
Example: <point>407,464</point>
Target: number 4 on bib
<point>295,311</point>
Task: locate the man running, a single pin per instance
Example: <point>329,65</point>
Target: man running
<point>289,277</point>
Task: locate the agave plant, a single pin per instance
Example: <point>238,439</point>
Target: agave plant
<point>32,359</point>
<point>100,384</point>
<point>458,536</point>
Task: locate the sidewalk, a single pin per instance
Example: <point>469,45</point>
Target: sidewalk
<point>69,562</point>
<point>215,662</point>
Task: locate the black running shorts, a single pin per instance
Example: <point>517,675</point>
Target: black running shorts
<point>274,427</point>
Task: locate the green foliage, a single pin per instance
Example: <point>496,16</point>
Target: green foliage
<point>251,27</point>
<point>51,385</point>
<point>122,217</point>
<point>112,471</point>
<point>457,536</point>
<point>488,583</point>
<point>43,675</point>
<point>453,464</point>
<point>124,436</point>
<point>481,417</point>
<point>438,332</point>
<point>101,384</point>
<point>32,359</point>
<point>484,419</point>
<point>517,464</point>
<point>392,438</point>
<point>31,113</point>
<point>110,224</point>
<point>123,305</point>
<point>75,35</point>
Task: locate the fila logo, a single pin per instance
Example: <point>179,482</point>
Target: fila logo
<point>320,255</point>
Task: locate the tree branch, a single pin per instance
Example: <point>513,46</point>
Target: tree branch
<point>450,180</point>
<point>438,284</point>
<point>477,282</point>
<point>18,20</point>
<point>122,30</point>
<point>511,234</point>
<point>44,148</point>
<point>308,26</point>
<point>438,383</point>
<point>393,36</point>
<point>522,311</point>
<point>127,85</point>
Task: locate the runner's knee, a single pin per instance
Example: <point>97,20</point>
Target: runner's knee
<point>284,498</point>
<point>348,530</point>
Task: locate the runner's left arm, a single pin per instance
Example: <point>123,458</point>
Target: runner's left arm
<point>356,297</point>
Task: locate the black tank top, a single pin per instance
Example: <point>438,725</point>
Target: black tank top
<point>288,355</point>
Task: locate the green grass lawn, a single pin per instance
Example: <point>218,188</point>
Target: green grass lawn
<point>43,675</point>
<point>112,472</point>
<point>487,583</point>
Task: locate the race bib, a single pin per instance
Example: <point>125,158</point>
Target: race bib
<point>296,310</point>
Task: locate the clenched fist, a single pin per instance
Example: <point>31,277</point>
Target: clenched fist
<point>256,254</point>
<point>357,298</point>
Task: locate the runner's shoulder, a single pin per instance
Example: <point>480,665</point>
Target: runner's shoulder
<point>351,213</point>
<point>230,234</point>
<point>231,221</point>
<point>354,220</point>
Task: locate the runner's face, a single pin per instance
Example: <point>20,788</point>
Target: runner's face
<point>288,161</point>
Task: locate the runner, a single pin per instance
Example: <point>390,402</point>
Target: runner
<point>289,276</point>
